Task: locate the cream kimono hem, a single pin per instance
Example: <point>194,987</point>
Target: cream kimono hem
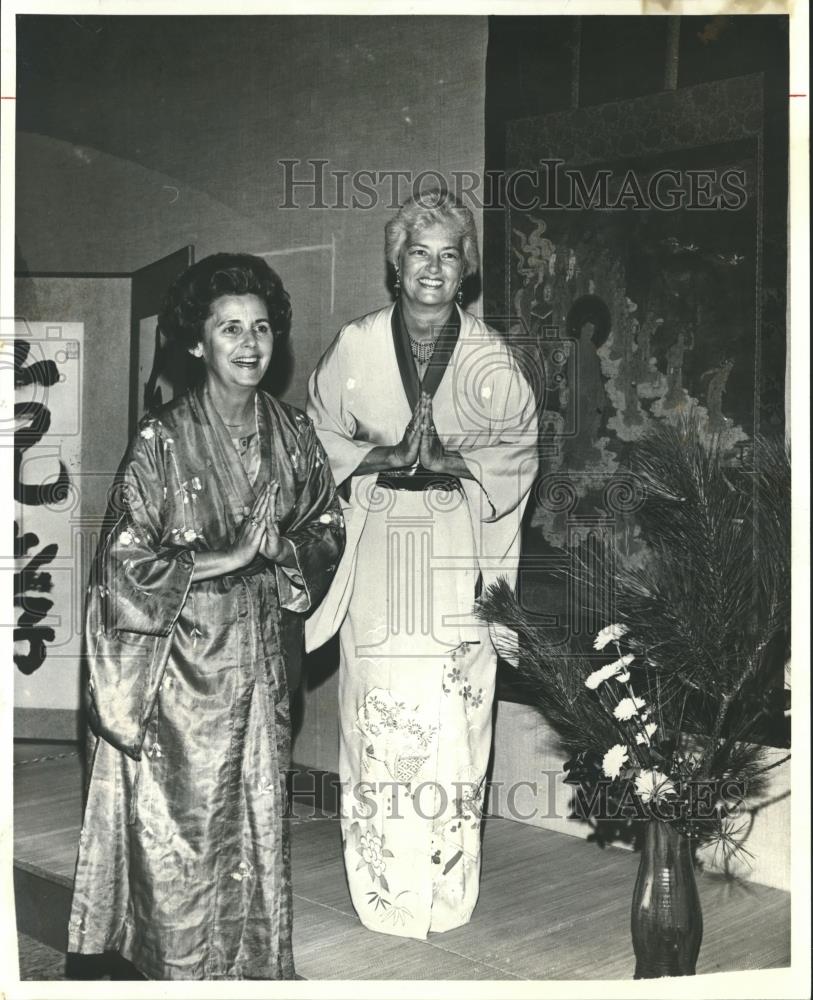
<point>415,694</point>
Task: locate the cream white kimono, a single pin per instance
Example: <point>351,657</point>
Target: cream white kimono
<point>417,671</point>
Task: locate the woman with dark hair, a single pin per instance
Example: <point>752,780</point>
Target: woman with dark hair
<point>226,530</point>
<point>426,416</point>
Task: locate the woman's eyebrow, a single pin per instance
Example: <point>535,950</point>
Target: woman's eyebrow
<point>451,246</point>
<point>237,319</point>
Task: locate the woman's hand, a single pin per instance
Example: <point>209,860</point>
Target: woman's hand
<point>434,456</point>
<point>257,534</point>
<point>420,442</point>
<point>276,547</point>
<point>252,532</point>
<point>405,453</point>
<point>273,546</point>
<point>431,452</point>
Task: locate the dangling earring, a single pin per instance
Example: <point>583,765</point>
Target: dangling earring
<point>459,295</point>
<point>397,283</point>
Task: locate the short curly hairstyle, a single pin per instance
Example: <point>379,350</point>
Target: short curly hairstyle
<point>433,208</point>
<point>188,302</point>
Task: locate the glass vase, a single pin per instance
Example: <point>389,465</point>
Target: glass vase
<point>667,922</point>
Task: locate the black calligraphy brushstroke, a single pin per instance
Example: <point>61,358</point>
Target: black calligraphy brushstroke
<point>30,580</point>
<point>39,417</point>
<point>27,580</point>
<point>39,373</point>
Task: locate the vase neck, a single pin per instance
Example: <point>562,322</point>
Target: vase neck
<point>663,840</point>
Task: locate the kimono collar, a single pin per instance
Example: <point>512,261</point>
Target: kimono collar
<point>237,491</point>
<point>438,363</point>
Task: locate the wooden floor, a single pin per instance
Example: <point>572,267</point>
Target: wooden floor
<point>551,906</point>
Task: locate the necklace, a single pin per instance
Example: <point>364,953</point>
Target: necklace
<point>421,349</point>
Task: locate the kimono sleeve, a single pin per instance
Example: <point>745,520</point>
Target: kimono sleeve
<point>504,471</point>
<point>137,590</point>
<point>315,529</point>
<point>335,424</point>
<point>144,581</point>
<point>505,467</point>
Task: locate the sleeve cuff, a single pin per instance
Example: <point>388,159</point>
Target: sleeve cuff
<point>291,586</point>
<point>129,606</point>
<point>488,512</point>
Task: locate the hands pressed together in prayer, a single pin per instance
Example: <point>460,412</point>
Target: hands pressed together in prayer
<point>421,444</point>
<point>258,534</point>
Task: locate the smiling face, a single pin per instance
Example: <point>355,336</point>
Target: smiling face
<point>431,266</point>
<point>237,342</point>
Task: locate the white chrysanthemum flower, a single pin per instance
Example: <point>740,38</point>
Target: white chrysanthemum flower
<point>610,633</point>
<point>126,538</point>
<point>653,785</point>
<point>190,535</point>
<point>596,678</point>
<point>147,432</point>
<point>614,760</point>
<point>649,731</point>
<point>617,669</point>
<point>628,707</point>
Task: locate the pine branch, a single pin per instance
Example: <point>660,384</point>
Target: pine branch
<point>702,608</point>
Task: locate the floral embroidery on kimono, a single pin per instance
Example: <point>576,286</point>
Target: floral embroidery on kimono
<point>417,675</point>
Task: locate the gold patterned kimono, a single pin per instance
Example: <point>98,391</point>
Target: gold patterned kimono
<point>183,861</point>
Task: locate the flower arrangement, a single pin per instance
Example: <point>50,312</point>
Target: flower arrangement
<point>660,717</point>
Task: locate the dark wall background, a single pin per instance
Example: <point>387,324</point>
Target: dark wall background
<point>536,66</point>
<point>139,135</point>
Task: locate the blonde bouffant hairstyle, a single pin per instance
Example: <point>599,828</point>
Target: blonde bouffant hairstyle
<point>433,208</point>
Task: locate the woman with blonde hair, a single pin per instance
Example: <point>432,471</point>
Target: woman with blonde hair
<point>427,419</point>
